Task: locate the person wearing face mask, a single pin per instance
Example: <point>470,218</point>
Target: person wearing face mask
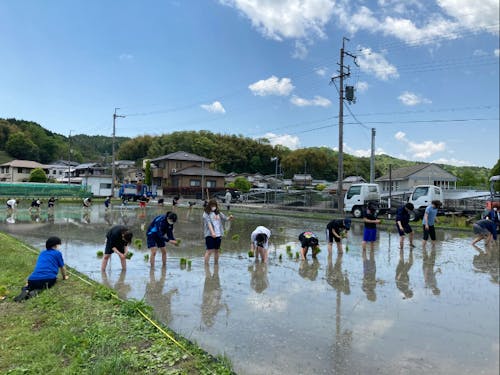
<point>213,229</point>
<point>161,231</point>
<point>117,240</point>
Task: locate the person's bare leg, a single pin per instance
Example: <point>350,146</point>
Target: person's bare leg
<point>208,253</point>
<point>163,256</point>
<point>152,256</point>
<point>216,256</point>
<point>104,262</point>
<point>330,245</point>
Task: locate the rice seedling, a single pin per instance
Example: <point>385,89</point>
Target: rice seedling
<point>100,253</point>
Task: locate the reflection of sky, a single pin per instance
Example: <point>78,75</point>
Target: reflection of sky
<point>295,324</point>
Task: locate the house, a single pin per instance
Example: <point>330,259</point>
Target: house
<point>90,169</point>
<point>182,170</point>
<point>302,180</point>
<point>404,179</point>
<point>99,185</point>
<point>18,170</point>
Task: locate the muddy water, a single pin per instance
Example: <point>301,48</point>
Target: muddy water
<point>389,312</point>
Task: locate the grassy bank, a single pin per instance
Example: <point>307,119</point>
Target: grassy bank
<point>80,327</point>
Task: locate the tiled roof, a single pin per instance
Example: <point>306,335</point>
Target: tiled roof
<point>23,164</point>
<point>182,155</point>
<point>402,173</point>
<point>198,171</point>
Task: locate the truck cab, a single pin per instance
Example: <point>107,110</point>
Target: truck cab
<point>422,196</point>
<point>360,195</point>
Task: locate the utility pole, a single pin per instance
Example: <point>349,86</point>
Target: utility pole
<point>113,174</point>
<point>69,158</point>
<point>341,76</point>
<point>372,158</point>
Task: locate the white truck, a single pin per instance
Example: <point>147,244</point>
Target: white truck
<point>421,197</point>
<point>359,196</point>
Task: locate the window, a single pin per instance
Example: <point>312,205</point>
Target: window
<point>104,186</point>
<point>194,183</point>
<point>353,190</point>
<point>211,183</point>
<point>372,189</point>
<point>420,192</point>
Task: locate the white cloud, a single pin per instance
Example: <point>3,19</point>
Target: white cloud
<point>424,27</point>
<point>376,64</point>
<point>496,52</point>
<point>321,71</point>
<point>421,150</point>
<point>287,140</point>
<point>126,57</point>
<point>318,101</point>
<point>473,14</point>
<point>362,86</point>
<point>363,153</point>
<point>479,52</point>
<point>453,161</point>
<point>300,51</point>
<point>272,86</point>
<point>411,99</point>
<point>215,107</point>
<point>286,19</point>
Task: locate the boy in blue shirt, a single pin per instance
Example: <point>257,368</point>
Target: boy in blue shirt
<point>44,276</point>
<point>428,222</point>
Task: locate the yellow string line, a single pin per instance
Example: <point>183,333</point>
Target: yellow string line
<point>118,298</point>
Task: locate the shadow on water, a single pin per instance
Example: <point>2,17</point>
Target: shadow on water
<point>428,310</point>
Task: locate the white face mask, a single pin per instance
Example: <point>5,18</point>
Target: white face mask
<point>213,208</point>
<point>170,222</point>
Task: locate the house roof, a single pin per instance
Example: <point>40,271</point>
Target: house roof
<point>354,179</point>
<point>198,171</point>
<point>405,172</point>
<point>88,165</point>
<point>182,155</point>
<point>23,164</point>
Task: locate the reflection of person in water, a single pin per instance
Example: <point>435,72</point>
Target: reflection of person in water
<point>369,275</point>
<point>402,277</point>
<point>258,276</point>
<point>428,263</point>
<point>120,286</point>
<point>309,270</point>
<point>335,277</point>
<point>212,296</point>
<point>155,297</point>
<point>487,261</point>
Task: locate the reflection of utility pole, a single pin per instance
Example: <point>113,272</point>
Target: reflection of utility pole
<point>341,76</point>
<point>113,174</point>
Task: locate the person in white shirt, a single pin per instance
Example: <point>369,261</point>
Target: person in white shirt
<point>260,242</point>
<point>12,203</point>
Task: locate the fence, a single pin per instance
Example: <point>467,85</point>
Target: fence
<point>35,190</point>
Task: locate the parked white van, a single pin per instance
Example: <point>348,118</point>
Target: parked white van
<point>358,196</point>
<point>422,196</point>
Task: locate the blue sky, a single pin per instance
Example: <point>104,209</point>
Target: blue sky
<point>427,80</point>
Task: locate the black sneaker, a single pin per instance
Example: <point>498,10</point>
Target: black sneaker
<point>23,296</point>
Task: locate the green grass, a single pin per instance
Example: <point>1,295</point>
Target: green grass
<point>82,328</point>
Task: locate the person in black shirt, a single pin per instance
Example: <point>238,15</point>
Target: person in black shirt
<point>334,231</point>
<point>117,240</point>
<point>403,223</point>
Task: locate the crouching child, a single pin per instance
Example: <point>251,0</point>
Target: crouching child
<point>44,276</point>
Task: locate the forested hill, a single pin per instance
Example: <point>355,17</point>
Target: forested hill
<point>30,141</point>
<point>231,153</point>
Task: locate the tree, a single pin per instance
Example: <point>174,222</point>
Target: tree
<point>242,184</point>
<point>147,177</point>
<point>38,175</point>
<point>21,147</point>
<point>495,171</point>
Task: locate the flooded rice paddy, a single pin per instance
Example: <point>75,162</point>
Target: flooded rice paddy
<point>389,312</point>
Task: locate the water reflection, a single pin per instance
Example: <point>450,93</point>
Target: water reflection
<point>309,270</point>
<point>212,297</point>
<point>155,296</point>
<point>402,277</point>
<point>428,264</point>
<point>369,275</point>
<point>258,276</point>
<point>335,276</point>
<point>122,288</point>
<point>487,261</point>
